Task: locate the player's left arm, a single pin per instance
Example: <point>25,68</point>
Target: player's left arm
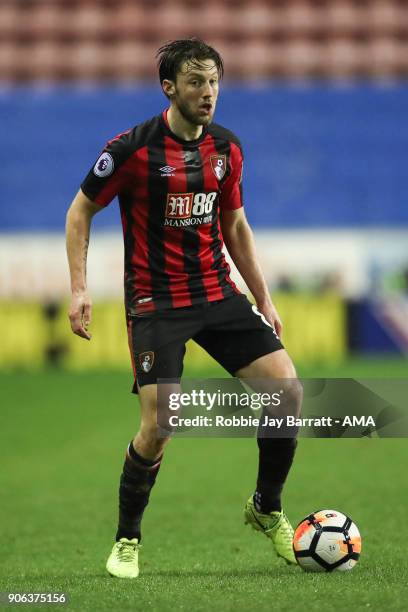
<point>239,240</point>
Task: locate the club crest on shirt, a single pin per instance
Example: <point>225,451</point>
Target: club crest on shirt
<point>104,165</point>
<point>219,165</point>
<point>146,360</point>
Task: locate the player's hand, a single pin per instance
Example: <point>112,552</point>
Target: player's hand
<point>80,314</point>
<point>271,315</point>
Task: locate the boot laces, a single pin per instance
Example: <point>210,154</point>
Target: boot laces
<point>126,551</point>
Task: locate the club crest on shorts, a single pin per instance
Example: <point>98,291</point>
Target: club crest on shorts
<point>219,165</point>
<point>146,360</point>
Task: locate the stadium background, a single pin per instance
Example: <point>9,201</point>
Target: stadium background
<point>317,93</point>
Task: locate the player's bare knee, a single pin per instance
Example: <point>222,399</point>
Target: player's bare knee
<point>291,390</point>
<point>148,432</point>
<point>150,441</point>
<point>291,395</point>
<point>284,367</point>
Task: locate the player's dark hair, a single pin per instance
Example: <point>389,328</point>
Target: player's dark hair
<point>173,54</point>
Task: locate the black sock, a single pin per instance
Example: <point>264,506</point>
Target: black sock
<point>275,460</point>
<point>137,479</point>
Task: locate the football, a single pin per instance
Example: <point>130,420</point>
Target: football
<point>327,540</point>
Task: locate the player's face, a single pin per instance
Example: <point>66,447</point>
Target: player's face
<point>196,91</point>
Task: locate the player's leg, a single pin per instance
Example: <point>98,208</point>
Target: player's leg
<point>276,453</point>
<point>141,466</point>
<point>263,510</point>
<point>140,469</point>
<point>157,345</point>
<point>240,340</point>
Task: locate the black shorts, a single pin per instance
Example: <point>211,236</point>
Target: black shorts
<point>232,331</point>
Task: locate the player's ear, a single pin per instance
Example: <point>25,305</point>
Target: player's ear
<point>169,88</point>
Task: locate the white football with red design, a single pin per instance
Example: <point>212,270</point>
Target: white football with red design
<point>327,540</point>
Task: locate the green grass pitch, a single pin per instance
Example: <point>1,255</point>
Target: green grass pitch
<point>63,442</point>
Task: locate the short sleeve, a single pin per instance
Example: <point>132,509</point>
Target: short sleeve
<point>109,175</point>
<point>231,190</point>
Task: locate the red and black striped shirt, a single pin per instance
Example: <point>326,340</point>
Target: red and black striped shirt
<point>170,193</point>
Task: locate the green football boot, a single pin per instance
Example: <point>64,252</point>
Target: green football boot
<point>123,560</point>
<point>275,526</point>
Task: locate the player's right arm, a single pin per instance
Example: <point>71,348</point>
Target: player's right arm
<point>109,175</point>
<point>78,225</point>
